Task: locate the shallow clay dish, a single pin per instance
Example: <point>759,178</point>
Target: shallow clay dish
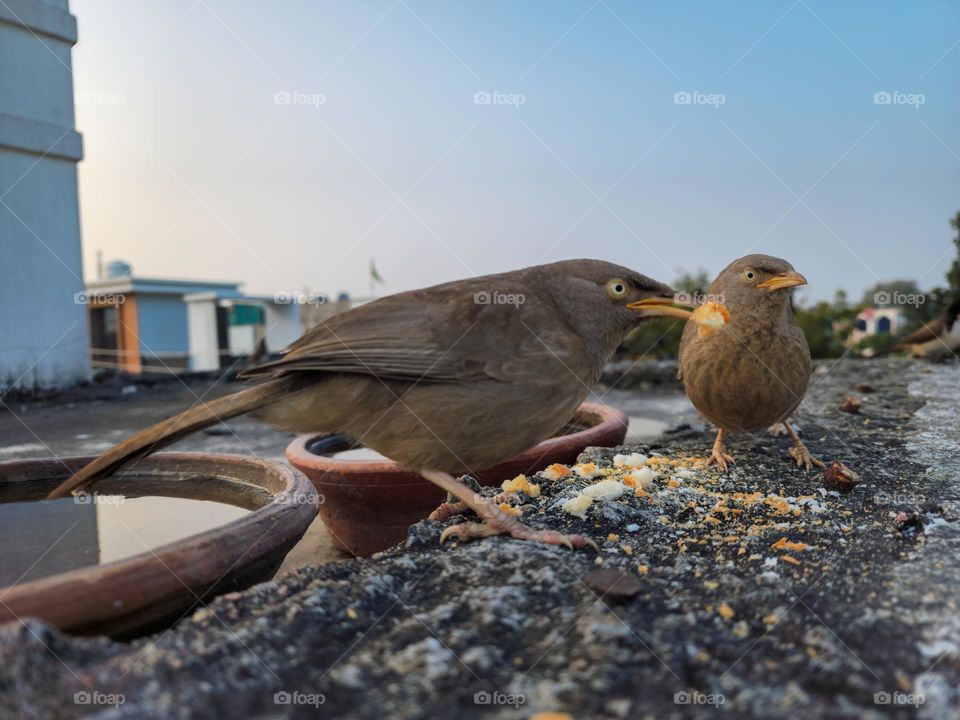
<point>368,505</point>
<point>149,591</point>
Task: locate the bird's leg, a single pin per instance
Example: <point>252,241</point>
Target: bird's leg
<point>717,455</point>
<point>778,429</point>
<point>448,509</point>
<point>799,451</point>
<point>495,520</point>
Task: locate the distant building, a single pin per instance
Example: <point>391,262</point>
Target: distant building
<point>160,325</point>
<point>877,321</point>
<point>43,332</point>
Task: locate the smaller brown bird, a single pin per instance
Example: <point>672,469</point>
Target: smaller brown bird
<point>753,372</point>
<point>938,338</point>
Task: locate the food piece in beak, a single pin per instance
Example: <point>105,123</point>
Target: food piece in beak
<point>784,280</point>
<point>660,307</point>
<point>710,317</point>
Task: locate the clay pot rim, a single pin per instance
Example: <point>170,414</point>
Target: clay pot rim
<point>379,472</point>
<point>190,564</point>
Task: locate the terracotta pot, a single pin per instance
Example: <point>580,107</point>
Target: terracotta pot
<point>148,591</point>
<point>368,505</point>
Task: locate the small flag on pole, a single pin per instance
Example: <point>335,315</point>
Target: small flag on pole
<point>375,278</point>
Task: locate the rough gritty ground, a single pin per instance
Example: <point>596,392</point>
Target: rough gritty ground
<point>702,614</point>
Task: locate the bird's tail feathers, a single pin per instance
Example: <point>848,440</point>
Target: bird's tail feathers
<point>172,429</point>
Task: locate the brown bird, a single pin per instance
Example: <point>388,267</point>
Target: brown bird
<point>446,380</point>
<point>938,338</point>
<point>753,372</point>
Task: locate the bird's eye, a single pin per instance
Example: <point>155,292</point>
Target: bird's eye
<point>617,289</point>
<point>749,275</point>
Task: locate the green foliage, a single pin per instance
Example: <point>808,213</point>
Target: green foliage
<point>953,274</point>
<point>660,338</point>
<point>820,325</point>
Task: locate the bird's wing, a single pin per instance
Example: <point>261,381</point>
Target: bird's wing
<point>449,333</point>
<point>926,332</point>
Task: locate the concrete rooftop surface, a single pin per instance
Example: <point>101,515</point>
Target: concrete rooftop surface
<point>760,593</point>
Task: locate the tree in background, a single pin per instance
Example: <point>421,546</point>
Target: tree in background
<point>953,274</point>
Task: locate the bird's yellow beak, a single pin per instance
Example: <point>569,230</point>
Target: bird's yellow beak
<point>784,280</point>
<point>660,307</point>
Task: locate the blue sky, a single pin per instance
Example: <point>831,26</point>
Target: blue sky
<point>194,169</point>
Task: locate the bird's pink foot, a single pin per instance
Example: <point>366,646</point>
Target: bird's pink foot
<point>496,521</point>
<point>465,532</point>
<point>717,455</point>
<point>447,510</point>
<point>720,458</point>
<point>799,451</point>
<point>803,457</point>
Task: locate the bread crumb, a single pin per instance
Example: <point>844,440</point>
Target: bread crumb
<point>604,489</point>
<point>643,569</point>
<point>587,471</point>
<point>577,506</point>
<point>633,460</point>
<point>641,479</point>
<point>352,614</point>
<point>521,484</point>
<point>556,472</point>
<point>710,317</point>
<point>510,509</point>
<point>784,544</point>
<point>725,611</point>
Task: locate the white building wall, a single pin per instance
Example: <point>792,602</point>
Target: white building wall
<point>43,332</point>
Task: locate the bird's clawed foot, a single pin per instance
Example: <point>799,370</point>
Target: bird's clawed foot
<point>799,451</point>
<point>447,510</point>
<point>467,531</point>
<point>496,521</point>
<point>717,455</point>
<point>803,457</point>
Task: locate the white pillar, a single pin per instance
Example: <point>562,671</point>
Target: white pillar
<point>202,331</point>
